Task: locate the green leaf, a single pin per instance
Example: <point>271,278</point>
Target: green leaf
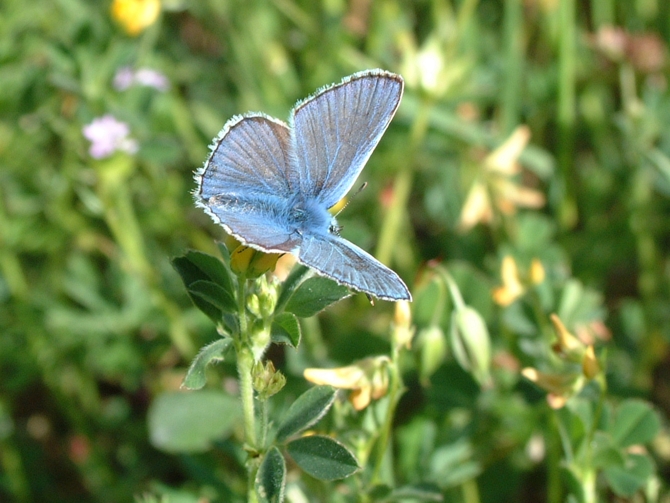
<point>454,463</point>
<point>213,313</point>
<point>605,454</point>
<point>636,422</point>
<point>195,377</point>
<point>224,251</point>
<point>298,274</point>
<point>196,266</point>
<point>311,406</point>
<point>190,421</point>
<point>314,295</point>
<point>207,267</point>
<point>271,477</point>
<point>323,457</point>
<point>627,479</point>
<point>214,294</point>
<point>286,330</point>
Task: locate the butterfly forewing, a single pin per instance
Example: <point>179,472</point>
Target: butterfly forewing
<point>335,131</point>
<point>250,154</point>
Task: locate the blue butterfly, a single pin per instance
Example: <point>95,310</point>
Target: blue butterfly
<point>270,184</point>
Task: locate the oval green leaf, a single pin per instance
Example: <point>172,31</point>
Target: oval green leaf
<point>191,421</point>
<point>214,294</point>
<point>314,295</point>
<point>271,477</point>
<point>323,457</point>
<point>633,474</point>
<point>286,330</point>
<point>636,422</point>
<point>195,377</point>
<point>311,406</point>
<point>195,266</point>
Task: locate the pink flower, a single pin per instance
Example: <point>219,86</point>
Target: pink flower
<point>107,135</point>
<point>125,77</point>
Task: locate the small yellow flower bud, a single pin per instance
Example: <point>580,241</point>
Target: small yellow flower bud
<point>402,325</point>
<point>590,365</point>
<point>567,343</point>
<point>511,288</point>
<point>250,263</point>
<point>537,273</point>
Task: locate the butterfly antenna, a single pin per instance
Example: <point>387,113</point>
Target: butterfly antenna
<point>360,189</point>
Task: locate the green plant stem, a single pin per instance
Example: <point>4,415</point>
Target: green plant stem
<point>552,439</point>
<point>264,421</point>
<point>514,52</point>
<point>245,363</point>
<point>402,187</point>
<point>395,391</point>
<point>566,113</point>
<point>588,470</point>
<point>603,12</point>
<point>470,491</point>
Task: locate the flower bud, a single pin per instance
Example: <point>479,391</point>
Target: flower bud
<point>471,343</point>
<point>432,348</point>
<point>402,325</point>
<point>260,339</point>
<point>250,263</point>
<point>266,380</point>
<point>567,344</point>
<point>536,273</point>
<point>590,365</point>
<point>253,305</point>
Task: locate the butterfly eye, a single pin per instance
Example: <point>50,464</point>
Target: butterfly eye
<point>333,228</point>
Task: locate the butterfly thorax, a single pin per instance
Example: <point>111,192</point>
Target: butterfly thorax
<point>309,216</point>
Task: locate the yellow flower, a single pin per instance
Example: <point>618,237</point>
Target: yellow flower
<point>511,288</point>
<point>477,207</point>
<point>496,187</point>
<point>567,343</point>
<point>251,263</point>
<point>135,15</point>
<point>560,387</point>
<point>367,378</point>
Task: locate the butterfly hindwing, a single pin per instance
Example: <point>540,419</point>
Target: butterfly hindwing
<point>346,263</point>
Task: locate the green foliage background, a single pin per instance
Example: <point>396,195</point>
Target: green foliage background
<point>95,323</point>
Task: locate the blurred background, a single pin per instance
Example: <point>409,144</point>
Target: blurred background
<point>532,129</point>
